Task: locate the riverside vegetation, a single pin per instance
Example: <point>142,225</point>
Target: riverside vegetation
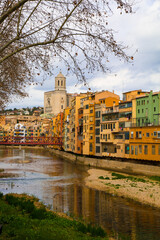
<point>143,189</point>
<point>24,217</point>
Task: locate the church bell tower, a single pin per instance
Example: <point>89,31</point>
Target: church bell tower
<point>60,82</point>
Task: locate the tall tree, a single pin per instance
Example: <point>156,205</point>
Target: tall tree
<point>33,33</point>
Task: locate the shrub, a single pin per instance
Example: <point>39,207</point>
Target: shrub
<point>1,195</point>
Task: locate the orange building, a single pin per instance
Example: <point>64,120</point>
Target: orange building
<point>145,143</point>
<point>80,131</point>
<point>66,129</point>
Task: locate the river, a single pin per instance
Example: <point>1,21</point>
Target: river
<point>60,186</point>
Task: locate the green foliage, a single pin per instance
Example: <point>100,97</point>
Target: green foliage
<point>118,176</point>
<point>22,203</point>
<point>155,178</point>
<point>101,177</point>
<point>1,195</point>
<point>104,178</point>
<point>22,220</point>
<point>131,178</point>
<point>93,230</point>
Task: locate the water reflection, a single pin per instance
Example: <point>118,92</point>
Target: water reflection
<point>61,185</point>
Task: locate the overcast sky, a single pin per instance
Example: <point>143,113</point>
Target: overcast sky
<point>141,32</point>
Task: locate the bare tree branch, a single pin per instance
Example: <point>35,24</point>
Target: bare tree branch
<point>33,33</point>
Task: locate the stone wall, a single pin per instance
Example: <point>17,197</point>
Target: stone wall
<point>118,166</point>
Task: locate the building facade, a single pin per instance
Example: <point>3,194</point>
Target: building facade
<point>56,101</point>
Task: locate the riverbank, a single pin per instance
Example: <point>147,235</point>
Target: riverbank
<point>145,190</point>
<point>138,182</point>
<point>108,164</point>
<point>24,217</point>
<point>138,185</point>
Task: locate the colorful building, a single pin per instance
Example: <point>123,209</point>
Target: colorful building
<point>145,143</point>
<point>147,110</point>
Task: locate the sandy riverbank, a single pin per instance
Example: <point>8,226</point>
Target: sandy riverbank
<point>138,188</point>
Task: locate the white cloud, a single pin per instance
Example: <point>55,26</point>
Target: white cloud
<point>35,99</point>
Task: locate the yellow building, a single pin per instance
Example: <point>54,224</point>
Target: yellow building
<point>145,143</point>
<point>128,96</point>
<point>91,119</point>
<point>115,124</point>
<point>74,123</point>
<point>88,124</point>
<point>109,131</point>
<point>66,129</point>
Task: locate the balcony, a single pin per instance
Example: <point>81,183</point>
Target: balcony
<point>110,111</point>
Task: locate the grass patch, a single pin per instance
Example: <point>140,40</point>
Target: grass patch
<point>155,178</point>
<point>131,178</point>
<point>21,219</point>
<point>104,178</point>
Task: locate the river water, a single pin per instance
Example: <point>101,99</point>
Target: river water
<point>60,185</point>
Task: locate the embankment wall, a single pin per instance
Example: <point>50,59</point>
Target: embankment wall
<point>112,165</point>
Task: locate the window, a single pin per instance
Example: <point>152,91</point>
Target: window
<point>126,135</point>
<point>97,139</point>
<point>58,82</point>
<point>140,134</point>
<point>154,109</point>
<point>140,149</point>
<point>159,149</point>
<point>131,134</point>
<point>153,150</point>
<point>108,136</point>
<point>126,148</point>
<point>138,110</point>
<point>91,137</point>
<point>136,134</point>
<point>97,114</point>
<point>132,149</point>
<point>97,123</point>
<point>158,133</point>
<point>62,83</point>
<point>136,150</point>
<point>91,128</point>
<point>97,131</point>
<point>91,111</point>
<point>61,106</point>
<point>97,149</point>
<point>145,149</point>
<point>105,149</point>
<point>155,134</point>
<point>153,100</point>
<point>142,110</point>
<point>147,134</point>
<point>87,106</point>
<point>90,147</point>
<point>102,127</point>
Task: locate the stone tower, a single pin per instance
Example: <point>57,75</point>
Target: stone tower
<point>60,82</point>
<point>56,101</point>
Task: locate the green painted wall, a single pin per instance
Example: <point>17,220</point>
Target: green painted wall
<point>148,109</point>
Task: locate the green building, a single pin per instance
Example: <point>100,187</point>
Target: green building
<point>147,109</point>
